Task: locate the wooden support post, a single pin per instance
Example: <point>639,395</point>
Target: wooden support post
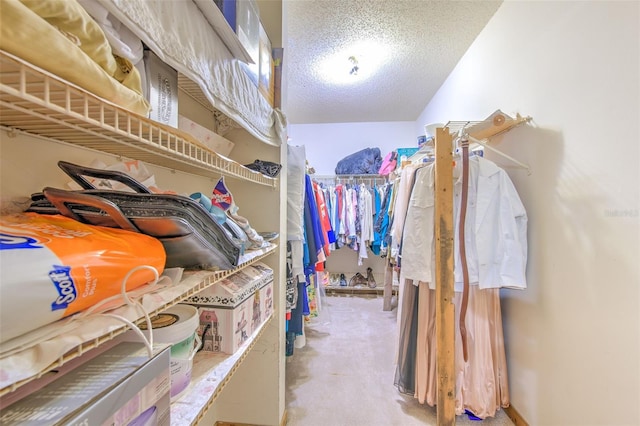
<point>387,292</point>
<point>445,312</point>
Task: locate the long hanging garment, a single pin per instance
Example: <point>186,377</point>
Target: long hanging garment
<point>481,381</point>
<point>408,307</point>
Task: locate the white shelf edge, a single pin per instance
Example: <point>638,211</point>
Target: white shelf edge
<point>35,101</point>
<point>209,375</point>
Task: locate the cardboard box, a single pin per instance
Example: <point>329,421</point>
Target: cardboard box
<point>266,300</point>
<point>114,388</point>
<point>161,89</point>
<point>231,310</point>
<point>212,140</point>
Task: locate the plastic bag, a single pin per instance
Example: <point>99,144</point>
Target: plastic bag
<point>53,267</point>
<point>389,163</point>
<point>134,168</point>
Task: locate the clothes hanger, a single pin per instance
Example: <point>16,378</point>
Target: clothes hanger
<point>425,152</point>
<point>497,151</point>
<point>494,125</point>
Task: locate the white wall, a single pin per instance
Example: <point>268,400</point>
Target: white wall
<point>573,335</point>
<point>326,144</point>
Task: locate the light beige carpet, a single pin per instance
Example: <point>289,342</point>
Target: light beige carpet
<point>344,374</point>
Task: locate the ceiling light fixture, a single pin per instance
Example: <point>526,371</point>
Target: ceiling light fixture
<point>354,65</point>
<point>351,64</point>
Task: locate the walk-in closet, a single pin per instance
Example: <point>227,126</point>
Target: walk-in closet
<point>564,299</point>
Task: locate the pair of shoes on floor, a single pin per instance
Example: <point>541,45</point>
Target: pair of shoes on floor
<point>334,280</point>
<point>358,280</point>
<point>370,279</point>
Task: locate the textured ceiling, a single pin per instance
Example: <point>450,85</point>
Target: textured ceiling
<point>419,41</point>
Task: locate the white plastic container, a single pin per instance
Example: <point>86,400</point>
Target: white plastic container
<point>177,327</point>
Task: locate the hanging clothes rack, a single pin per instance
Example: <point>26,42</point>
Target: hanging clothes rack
<point>369,179</point>
<point>424,154</point>
<point>479,132</point>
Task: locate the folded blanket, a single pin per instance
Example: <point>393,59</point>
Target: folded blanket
<point>57,49</point>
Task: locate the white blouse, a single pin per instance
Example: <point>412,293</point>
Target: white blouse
<point>495,229</point>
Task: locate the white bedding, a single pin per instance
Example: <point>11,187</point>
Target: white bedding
<point>181,36</point>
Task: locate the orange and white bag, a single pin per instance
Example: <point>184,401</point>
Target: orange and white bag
<point>52,267</point>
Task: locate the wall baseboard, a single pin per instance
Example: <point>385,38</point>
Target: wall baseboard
<point>515,417</point>
<point>283,422</point>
